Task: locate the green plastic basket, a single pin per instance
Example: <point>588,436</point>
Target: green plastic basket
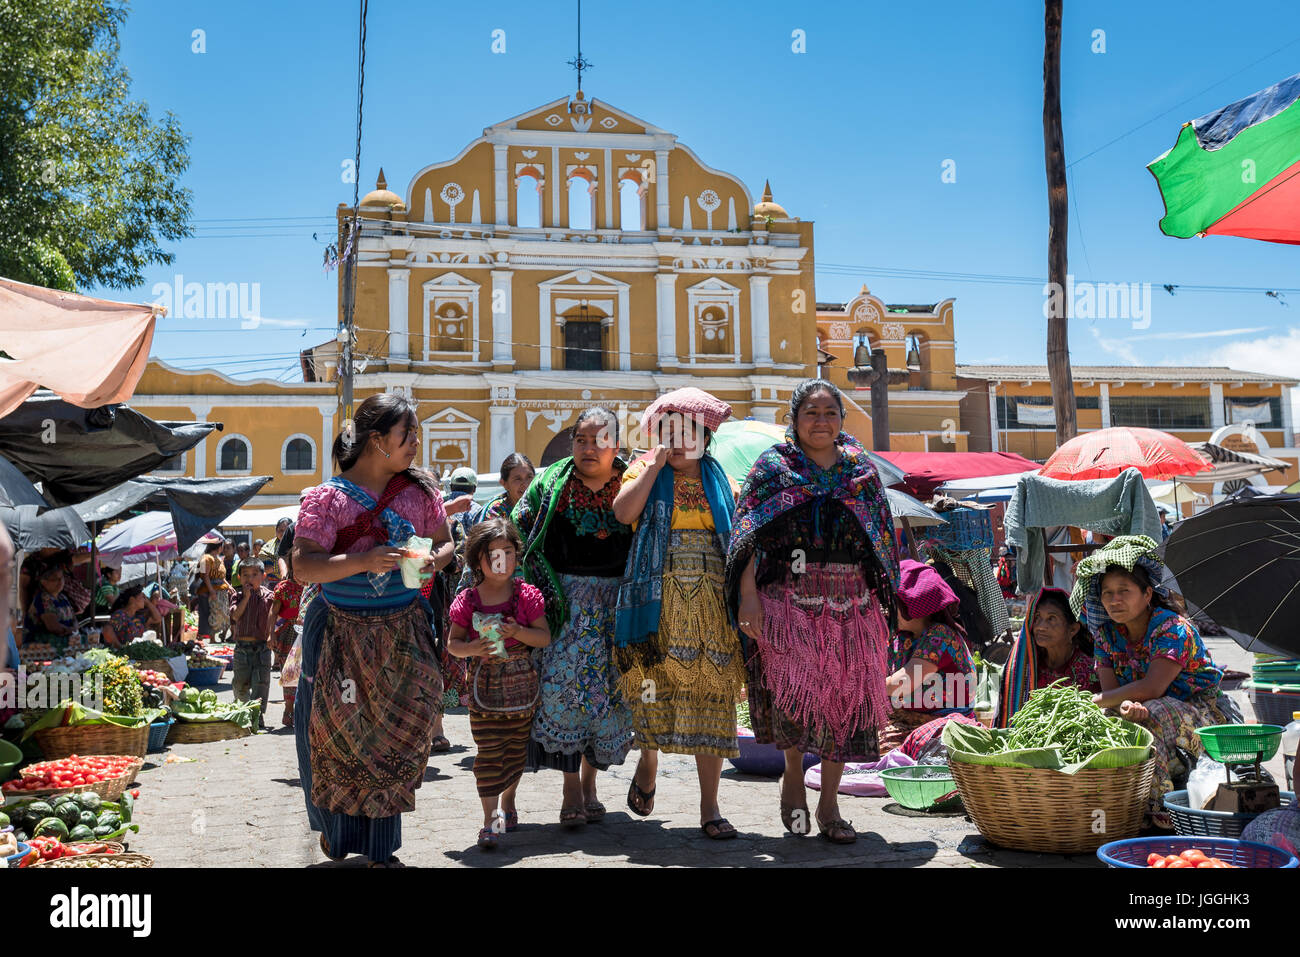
<point>1241,743</point>
<point>908,788</point>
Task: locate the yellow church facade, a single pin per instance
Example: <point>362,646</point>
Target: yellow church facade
<point>576,255</point>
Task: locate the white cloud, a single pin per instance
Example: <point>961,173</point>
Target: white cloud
<point>1276,354</point>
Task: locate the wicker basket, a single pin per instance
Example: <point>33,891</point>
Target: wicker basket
<point>114,847</point>
<point>1047,811</point>
<point>94,860</point>
<point>93,739</point>
<point>109,790</point>
<point>1195,822</point>
<point>154,664</point>
<point>201,732</point>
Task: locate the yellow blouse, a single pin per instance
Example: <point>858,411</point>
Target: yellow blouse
<point>690,506</point>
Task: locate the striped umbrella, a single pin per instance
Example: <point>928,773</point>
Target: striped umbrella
<point>1236,171</point>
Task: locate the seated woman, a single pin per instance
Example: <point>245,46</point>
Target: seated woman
<point>50,618</point>
<point>106,592</point>
<point>931,672</point>
<point>133,613</point>
<point>1151,662</point>
<point>1053,644</point>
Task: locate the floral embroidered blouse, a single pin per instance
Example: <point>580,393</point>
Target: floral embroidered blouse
<point>1169,635</point>
<point>690,504</point>
<point>944,647</point>
<point>584,537</point>
<point>1080,669</point>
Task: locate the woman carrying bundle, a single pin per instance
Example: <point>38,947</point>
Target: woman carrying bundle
<point>812,569</point>
<point>1151,661</point>
<point>677,646</point>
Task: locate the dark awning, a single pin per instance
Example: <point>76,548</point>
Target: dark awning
<point>77,453</point>
<point>197,505</point>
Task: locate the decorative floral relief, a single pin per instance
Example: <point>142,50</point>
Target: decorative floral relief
<point>528,154</point>
<point>553,120</point>
<point>609,122</point>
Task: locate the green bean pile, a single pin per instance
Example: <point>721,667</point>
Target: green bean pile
<point>1063,716</point>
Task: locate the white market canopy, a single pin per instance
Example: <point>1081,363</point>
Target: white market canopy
<point>984,488</point>
<point>259,517</point>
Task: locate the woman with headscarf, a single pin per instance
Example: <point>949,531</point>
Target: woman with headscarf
<point>575,551</point>
<point>930,669</point>
<point>1151,662</point>
<point>370,683</point>
<point>1053,644</point>
<point>811,575</point>
<point>676,643</point>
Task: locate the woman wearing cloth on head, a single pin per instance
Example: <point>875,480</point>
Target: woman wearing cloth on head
<point>370,684</point>
<point>676,643</point>
<point>575,552</point>
<point>131,616</point>
<point>1151,661</point>
<point>812,567</point>
<point>51,618</point>
<point>1053,644</point>
<point>931,674</point>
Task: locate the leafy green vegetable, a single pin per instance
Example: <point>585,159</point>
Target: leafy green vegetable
<point>145,651</point>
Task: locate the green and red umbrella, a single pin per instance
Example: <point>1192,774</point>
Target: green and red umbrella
<point>1236,171</point>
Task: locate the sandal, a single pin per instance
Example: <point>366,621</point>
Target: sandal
<point>641,803</point>
<point>488,838</point>
<point>722,830</point>
<point>795,824</point>
<point>440,745</point>
<point>391,862</point>
<point>595,811</point>
<point>838,831</point>
<point>512,821</point>
<point>325,849</point>
<point>574,816</point>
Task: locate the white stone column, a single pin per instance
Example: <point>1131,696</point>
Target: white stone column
<point>326,442</point>
<point>502,321</point>
<point>759,332</point>
<point>662,216</point>
<point>201,450</point>
<point>994,432</point>
<point>764,413</point>
<point>666,317</point>
<point>610,190</point>
<point>502,435</point>
<point>557,178</point>
<point>1288,430</point>
<point>544,323</point>
<point>399,329</point>
<point>1103,389</point>
<point>1216,405</point>
<point>624,330</point>
<point>500,187</point>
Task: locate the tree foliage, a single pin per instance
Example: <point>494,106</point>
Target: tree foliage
<point>89,190</point>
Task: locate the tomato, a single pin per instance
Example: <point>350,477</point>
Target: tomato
<point>1179,863</point>
<point>1193,854</point>
<point>1152,858</point>
<point>135,792</point>
<point>1160,862</point>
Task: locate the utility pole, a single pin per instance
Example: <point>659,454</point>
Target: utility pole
<point>1058,316</point>
<point>352,247</point>
<point>876,376</point>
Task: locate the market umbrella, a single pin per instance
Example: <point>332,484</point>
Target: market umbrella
<point>1239,562</point>
<point>15,489</point>
<point>904,506</point>
<point>738,444</point>
<point>1203,179</point>
<point>143,534</point>
<point>1106,453</point>
<point>32,528</point>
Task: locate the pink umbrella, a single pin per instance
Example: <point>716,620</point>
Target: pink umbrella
<point>1107,452</point>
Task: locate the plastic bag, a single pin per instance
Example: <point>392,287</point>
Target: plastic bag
<point>489,627</point>
<point>419,550</point>
<point>1203,783</point>
<point>292,664</point>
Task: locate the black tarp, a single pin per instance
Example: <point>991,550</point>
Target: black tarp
<point>17,489</point>
<point>78,453</point>
<point>197,505</point>
<point>33,529</point>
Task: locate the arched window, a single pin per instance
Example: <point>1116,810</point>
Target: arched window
<point>234,454</point>
<point>914,343</point>
<point>582,203</point>
<point>299,454</point>
<point>631,208</point>
<point>173,466</point>
<point>528,200</point>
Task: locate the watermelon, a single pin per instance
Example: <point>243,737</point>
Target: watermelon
<point>51,827</point>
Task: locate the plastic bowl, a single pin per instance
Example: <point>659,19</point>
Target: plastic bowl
<point>1240,743</point>
<point>908,788</point>
<point>205,677</point>
<point>13,859</point>
<point>10,757</point>
<point>1193,821</point>
<point>766,760</point>
<point>1133,853</point>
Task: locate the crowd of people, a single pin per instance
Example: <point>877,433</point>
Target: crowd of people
<point>600,606</point>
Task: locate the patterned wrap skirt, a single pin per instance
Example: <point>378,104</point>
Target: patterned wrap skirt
<point>1173,723</point>
<point>817,674</point>
<point>364,724</point>
<point>503,698</point>
<point>581,712</point>
<point>686,704</point>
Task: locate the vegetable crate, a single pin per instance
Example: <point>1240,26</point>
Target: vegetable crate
<point>967,528</point>
<point>1195,822</point>
<point>1044,810</point>
<point>93,739</point>
<point>201,732</point>
<point>1134,853</point>
<point>207,676</point>
<point>161,665</point>
<point>100,860</point>
<point>109,790</point>
<point>158,734</point>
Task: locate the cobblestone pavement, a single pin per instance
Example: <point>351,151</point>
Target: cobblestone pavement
<point>240,804</point>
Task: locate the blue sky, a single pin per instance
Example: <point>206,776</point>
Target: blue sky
<point>853,134</point>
